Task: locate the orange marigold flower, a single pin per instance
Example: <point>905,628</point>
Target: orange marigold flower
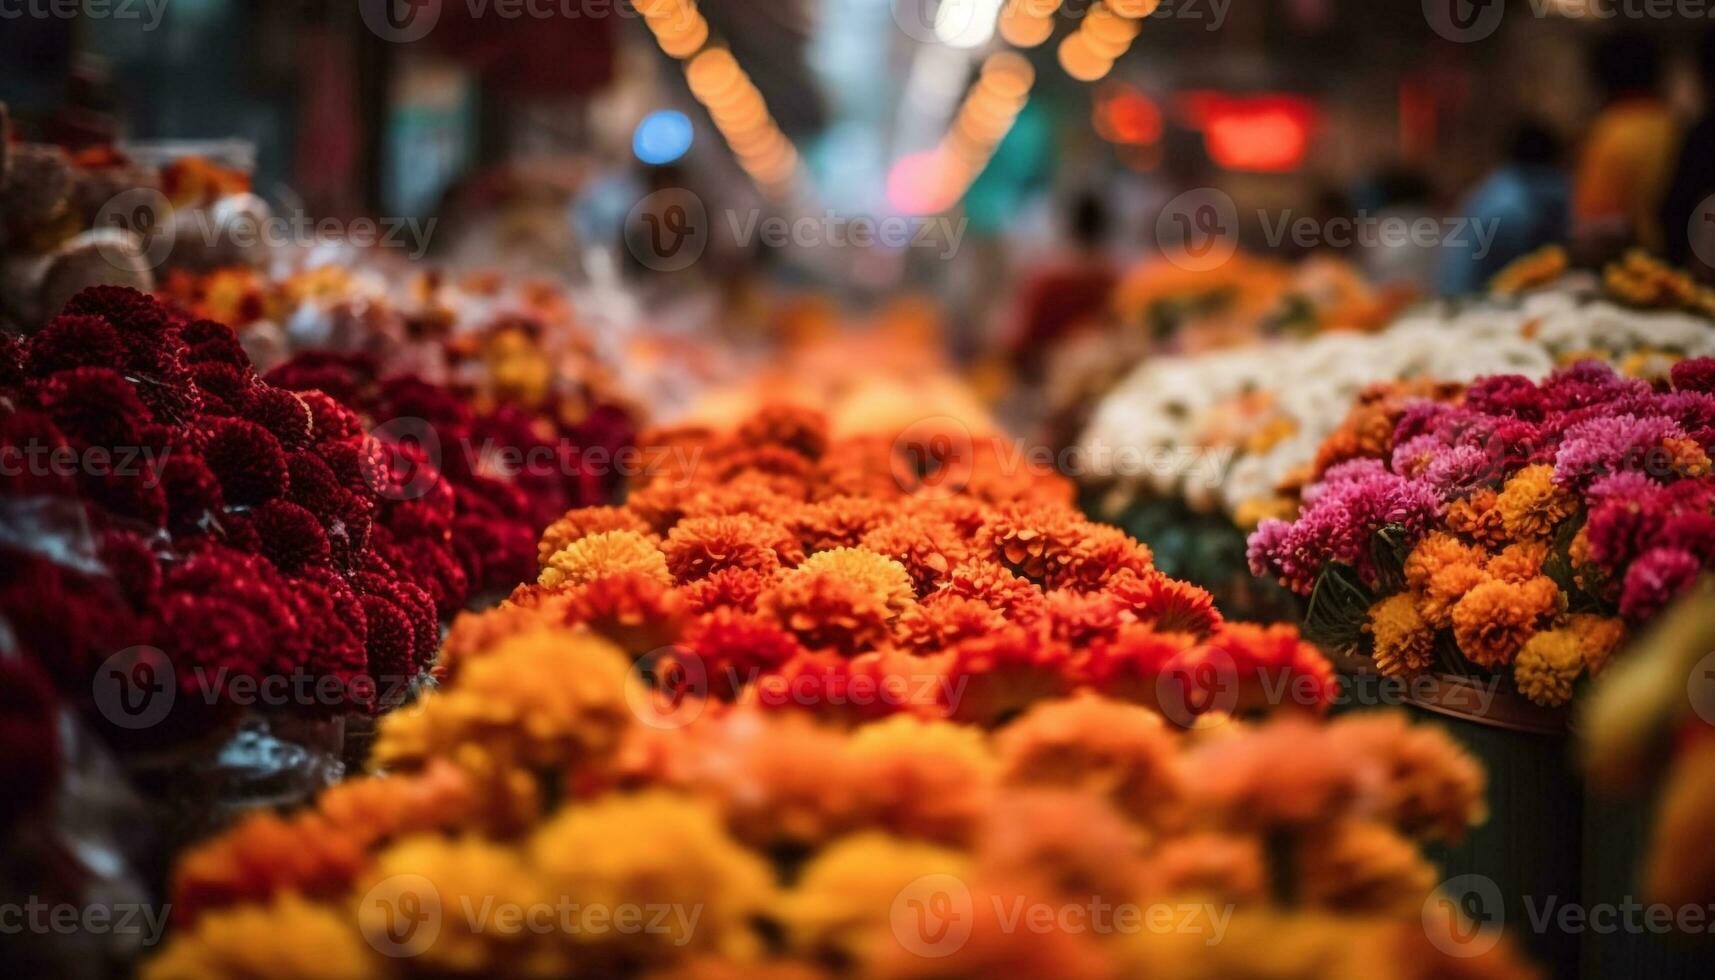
<point>1091,558</point>
<point>700,546</point>
<point>736,648</point>
<point>1073,842</point>
<point>991,583</point>
<point>739,497</point>
<point>928,547</point>
<point>1598,638</point>
<point>1032,538</point>
<point>856,688</point>
<point>887,578</point>
<point>1357,867</point>
<point>826,611</point>
<point>857,467</point>
<point>1426,784</point>
<point>991,678</point>
<point>928,779</point>
<point>1479,518</point>
<point>1285,774</point>
<point>602,554</point>
<point>582,522</point>
<point>795,427</point>
<point>1446,588</point>
<point>1437,551</point>
<point>965,513</point>
<point>662,503</point>
<point>777,468</point>
<point>636,611</point>
<point>1129,666</point>
<point>1121,752</point>
<point>944,619</point>
<point>1221,867</point>
<point>736,588</point>
<point>1547,666</point>
<point>1404,644</point>
<point>1080,619</point>
<point>1519,562</point>
<point>473,634</point>
<point>1493,621</point>
<point>1168,604</point>
<point>1531,504</point>
<point>837,522</point>
<point>1686,457</point>
<point>265,855</point>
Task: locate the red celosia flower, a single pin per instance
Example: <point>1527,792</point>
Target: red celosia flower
<point>291,536</point>
<point>331,419</point>
<point>247,460</point>
<point>280,412</point>
<point>72,342</point>
<point>207,342</point>
<point>93,407</point>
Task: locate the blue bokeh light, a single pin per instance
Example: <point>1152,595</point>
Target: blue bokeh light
<point>662,137</point>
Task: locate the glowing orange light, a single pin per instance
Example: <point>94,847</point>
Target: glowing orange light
<point>1263,133</point>
<point>1125,115</point>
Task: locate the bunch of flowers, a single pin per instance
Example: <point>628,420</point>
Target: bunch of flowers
<point>1511,527</point>
<point>785,565</point>
<point>165,496</point>
<point>536,785</point>
<point>1227,431</point>
<point>513,467</point>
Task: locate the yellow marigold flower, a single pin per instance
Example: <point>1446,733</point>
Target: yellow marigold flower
<point>471,888</point>
<point>288,939</point>
<point>1255,510</point>
<point>1404,643</point>
<point>1363,868</point>
<point>928,779</point>
<point>1531,504</point>
<point>1115,749</point>
<point>1493,620</point>
<point>1547,666</point>
<point>1538,268</point>
<point>582,522</point>
<point>841,909</point>
<point>659,851</point>
<point>1519,562</point>
<point>1435,552</point>
<point>551,698</point>
<point>589,558</point>
<point>1598,638</point>
<point>879,575</point>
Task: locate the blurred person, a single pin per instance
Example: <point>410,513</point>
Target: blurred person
<point>1522,205</point>
<point>1395,200</point>
<point>1694,179</point>
<point>1066,292</point>
<point>1628,157</point>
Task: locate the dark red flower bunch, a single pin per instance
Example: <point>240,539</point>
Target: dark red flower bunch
<point>512,470</point>
<point>168,497</point>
